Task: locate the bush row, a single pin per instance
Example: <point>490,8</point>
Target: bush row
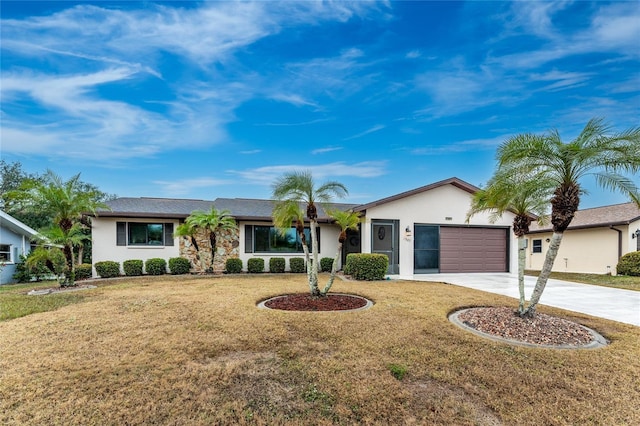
<point>136,267</point>
<point>277,265</point>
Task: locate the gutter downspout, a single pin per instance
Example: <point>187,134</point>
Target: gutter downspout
<point>619,240</point>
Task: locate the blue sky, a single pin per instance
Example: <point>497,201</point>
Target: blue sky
<point>216,99</point>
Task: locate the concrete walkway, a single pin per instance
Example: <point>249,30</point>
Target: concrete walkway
<point>610,303</point>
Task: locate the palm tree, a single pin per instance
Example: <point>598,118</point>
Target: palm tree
<point>346,220</point>
<point>69,201</point>
<point>593,152</point>
<point>523,194</point>
<point>299,187</point>
<point>211,222</point>
<point>68,239</point>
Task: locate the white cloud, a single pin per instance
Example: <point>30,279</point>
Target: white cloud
<point>373,129</point>
<point>183,187</point>
<point>267,175</point>
<point>325,150</point>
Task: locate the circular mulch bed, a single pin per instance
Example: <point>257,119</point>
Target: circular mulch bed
<point>503,323</point>
<point>305,302</point>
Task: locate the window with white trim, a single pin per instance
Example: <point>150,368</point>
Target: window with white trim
<point>144,234</point>
<point>268,239</point>
<point>536,246</point>
<point>5,253</point>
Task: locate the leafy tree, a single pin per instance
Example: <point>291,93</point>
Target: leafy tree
<point>53,259</point>
<point>595,151</point>
<point>296,189</point>
<point>523,194</point>
<point>346,220</point>
<point>12,179</point>
<point>67,201</point>
<point>211,222</point>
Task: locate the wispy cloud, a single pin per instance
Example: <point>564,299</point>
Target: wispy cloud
<point>267,175</point>
<point>325,150</point>
<point>373,129</point>
<point>460,146</point>
<point>183,187</point>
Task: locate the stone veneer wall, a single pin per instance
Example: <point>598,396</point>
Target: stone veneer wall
<point>228,247</point>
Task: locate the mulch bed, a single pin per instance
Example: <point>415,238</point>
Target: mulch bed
<point>541,330</point>
<point>305,302</point>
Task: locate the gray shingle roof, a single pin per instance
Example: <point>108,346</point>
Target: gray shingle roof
<point>240,208</point>
<point>617,214</point>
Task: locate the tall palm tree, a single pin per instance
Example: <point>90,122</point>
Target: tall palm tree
<point>523,194</point>
<point>212,221</point>
<point>346,220</point>
<point>299,187</point>
<point>593,152</point>
<point>69,201</point>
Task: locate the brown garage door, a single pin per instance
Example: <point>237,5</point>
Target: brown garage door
<point>473,249</point>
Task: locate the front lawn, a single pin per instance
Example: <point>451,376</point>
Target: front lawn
<point>615,281</point>
<point>197,351</point>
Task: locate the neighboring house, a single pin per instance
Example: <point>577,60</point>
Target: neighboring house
<point>422,231</point>
<point>142,228</point>
<point>593,243</point>
<point>15,241</point>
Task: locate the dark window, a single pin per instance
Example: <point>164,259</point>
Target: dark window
<point>5,253</point>
<point>268,239</point>
<point>146,234</point>
<point>536,246</point>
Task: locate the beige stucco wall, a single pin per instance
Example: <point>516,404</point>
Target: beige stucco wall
<point>444,205</point>
<point>104,242</point>
<point>328,246</point>
<point>589,251</point>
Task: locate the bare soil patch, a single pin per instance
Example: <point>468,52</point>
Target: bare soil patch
<point>306,302</point>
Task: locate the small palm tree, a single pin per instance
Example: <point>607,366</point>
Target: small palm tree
<point>523,194</point>
<point>212,222</point>
<point>346,220</point>
<point>593,152</point>
<point>69,201</point>
<point>299,188</point>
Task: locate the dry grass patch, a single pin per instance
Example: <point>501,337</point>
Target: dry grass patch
<point>179,350</point>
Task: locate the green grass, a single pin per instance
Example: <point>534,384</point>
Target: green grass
<point>614,281</point>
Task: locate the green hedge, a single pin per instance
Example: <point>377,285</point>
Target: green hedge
<point>83,271</point>
<point>367,266</point>
<point>277,265</point>
<point>296,265</point>
<point>326,263</point>
<point>629,264</point>
<point>155,266</point>
<point>255,265</point>
<point>233,266</point>
<point>132,267</point>
<point>107,269</point>
<point>179,266</point>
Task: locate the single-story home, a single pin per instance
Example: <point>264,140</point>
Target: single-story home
<point>421,231</point>
<point>15,241</point>
<point>593,243</point>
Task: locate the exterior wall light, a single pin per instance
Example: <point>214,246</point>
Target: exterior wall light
<point>636,234</point>
<point>407,232</point>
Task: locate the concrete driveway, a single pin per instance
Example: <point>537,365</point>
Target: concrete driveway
<point>610,303</point>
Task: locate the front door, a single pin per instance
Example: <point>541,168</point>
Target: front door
<point>384,240</point>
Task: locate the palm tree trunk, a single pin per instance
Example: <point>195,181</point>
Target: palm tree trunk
<point>550,257</point>
<point>334,269</point>
<point>522,257</point>
<point>313,275</point>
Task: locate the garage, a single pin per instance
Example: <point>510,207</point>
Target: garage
<point>460,249</point>
<point>474,249</point>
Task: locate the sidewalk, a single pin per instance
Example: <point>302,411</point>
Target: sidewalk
<point>610,303</point>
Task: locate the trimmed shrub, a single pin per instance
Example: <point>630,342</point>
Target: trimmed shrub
<point>179,265</point>
<point>629,264</point>
<point>83,271</point>
<point>132,267</point>
<point>367,266</point>
<point>233,266</point>
<point>326,263</point>
<point>276,265</point>
<point>155,266</point>
<point>107,269</point>
<point>255,265</point>
<point>296,265</point>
